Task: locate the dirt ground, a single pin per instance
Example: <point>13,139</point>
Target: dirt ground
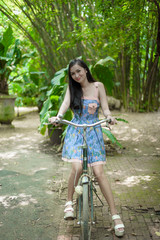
<point>33,181</point>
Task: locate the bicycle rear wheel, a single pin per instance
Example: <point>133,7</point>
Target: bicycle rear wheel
<point>85,213</point>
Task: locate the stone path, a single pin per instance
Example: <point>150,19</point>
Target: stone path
<point>33,183</point>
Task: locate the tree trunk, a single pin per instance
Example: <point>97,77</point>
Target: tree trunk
<point>123,77</point>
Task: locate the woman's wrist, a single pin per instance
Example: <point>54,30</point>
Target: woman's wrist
<point>60,115</point>
<point>108,114</point>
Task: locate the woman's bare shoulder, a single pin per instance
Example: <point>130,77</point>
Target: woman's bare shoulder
<point>100,85</point>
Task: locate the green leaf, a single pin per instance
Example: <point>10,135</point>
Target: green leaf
<point>2,48</point>
<point>42,129</point>
<point>59,77</point>
<point>121,120</point>
<point>44,120</point>
<point>64,133</point>
<point>54,99</point>
<point>68,115</point>
<point>18,56</point>
<point>7,38</point>
<point>111,137</point>
<point>62,93</point>
<point>5,58</point>
<point>104,74</point>
<point>104,61</point>
<point>46,106</point>
<point>29,55</point>
<point>63,70</point>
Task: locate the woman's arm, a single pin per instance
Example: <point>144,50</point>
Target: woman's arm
<point>103,100</point>
<point>104,103</point>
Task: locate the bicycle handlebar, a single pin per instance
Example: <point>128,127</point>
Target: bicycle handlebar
<point>82,125</point>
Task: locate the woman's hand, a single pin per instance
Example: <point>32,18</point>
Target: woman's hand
<point>111,120</point>
<point>54,120</point>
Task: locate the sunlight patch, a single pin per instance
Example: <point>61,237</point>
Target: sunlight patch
<point>133,130</point>
<point>137,150</point>
<point>133,180</point>
<point>17,201</point>
<point>152,139</point>
<point>8,155</point>
<point>39,169</point>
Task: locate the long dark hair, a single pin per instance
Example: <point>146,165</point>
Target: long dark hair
<point>75,88</point>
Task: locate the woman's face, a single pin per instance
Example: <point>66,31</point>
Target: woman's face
<point>78,73</point>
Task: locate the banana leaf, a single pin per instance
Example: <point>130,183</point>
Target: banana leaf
<point>111,137</point>
<point>121,120</point>
<point>103,72</point>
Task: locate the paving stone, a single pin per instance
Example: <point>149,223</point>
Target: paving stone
<point>132,237</point>
<point>140,218</point>
<point>157,209</point>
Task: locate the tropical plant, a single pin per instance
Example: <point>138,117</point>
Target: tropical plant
<point>28,85</point>
<point>111,137</point>
<point>54,99</point>
<point>10,57</point>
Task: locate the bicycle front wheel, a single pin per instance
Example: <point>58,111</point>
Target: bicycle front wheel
<point>85,214</point>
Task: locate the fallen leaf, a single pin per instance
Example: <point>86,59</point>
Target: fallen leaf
<point>134,234</point>
<point>117,180</point>
<point>157,233</point>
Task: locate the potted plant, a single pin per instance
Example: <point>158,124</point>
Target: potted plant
<point>10,56</point>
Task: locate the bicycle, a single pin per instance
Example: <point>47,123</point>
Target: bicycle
<point>85,187</point>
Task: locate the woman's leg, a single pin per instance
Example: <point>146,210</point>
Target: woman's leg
<point>73,179</point>
<point>105,189</point>
<point>72,182</point>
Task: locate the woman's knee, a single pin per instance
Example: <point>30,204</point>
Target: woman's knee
<point>98,172</point>
<point>76,168</point>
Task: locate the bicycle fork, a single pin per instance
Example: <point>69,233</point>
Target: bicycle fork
<point>85,180</point>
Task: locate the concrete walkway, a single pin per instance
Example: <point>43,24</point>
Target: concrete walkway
<point>33,183</point>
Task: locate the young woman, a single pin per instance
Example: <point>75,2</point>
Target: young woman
<point>84,96</point>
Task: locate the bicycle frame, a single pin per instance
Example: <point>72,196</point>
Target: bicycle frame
<point>83,200</point>
<point>85,159</point>
<point>87,185</point>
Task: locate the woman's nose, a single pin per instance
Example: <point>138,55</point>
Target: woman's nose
<point>76,75</point>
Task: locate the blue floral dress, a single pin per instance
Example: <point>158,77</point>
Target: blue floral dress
<point>72,148</point>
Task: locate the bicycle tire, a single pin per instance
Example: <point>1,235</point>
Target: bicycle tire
<point>85,212</point>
